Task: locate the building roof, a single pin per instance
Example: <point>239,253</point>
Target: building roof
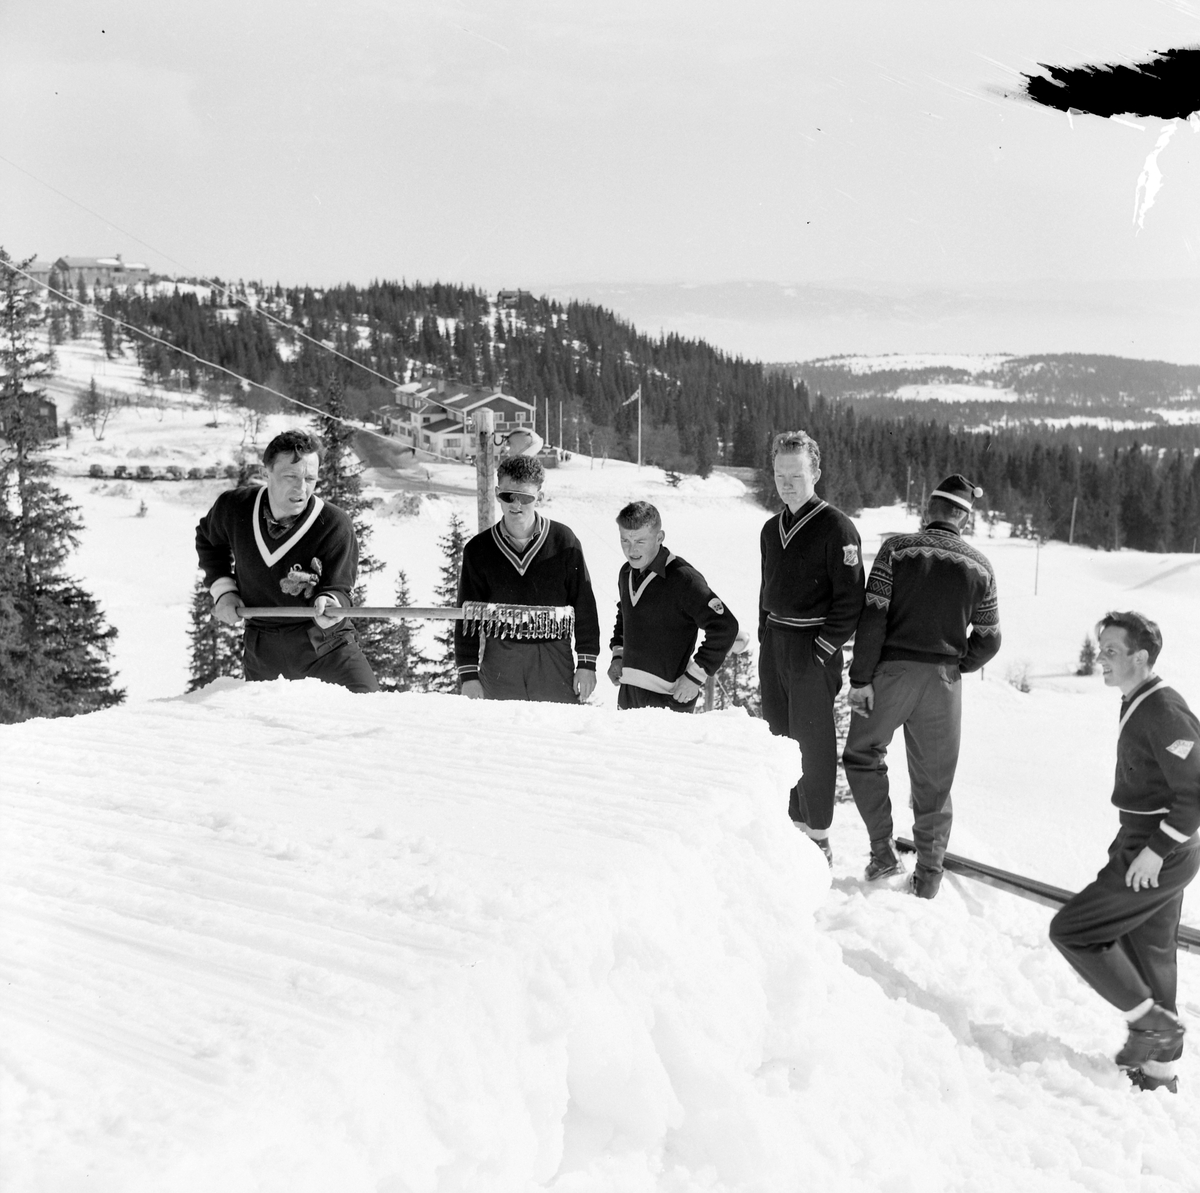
<point>444,424</point>
<point>100,263</point>
<point>462,398</point>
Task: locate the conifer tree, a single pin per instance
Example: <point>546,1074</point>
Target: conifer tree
<point>216,648</point>
<point>54,643</point>
<point>737,684</point>
<point>395,657</point>
<point>443,674</point>
<point>340,482</point>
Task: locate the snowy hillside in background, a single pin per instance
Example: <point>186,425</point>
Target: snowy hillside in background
<point>278,937</point>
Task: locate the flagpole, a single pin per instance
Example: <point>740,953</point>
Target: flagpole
<point>636,396</point>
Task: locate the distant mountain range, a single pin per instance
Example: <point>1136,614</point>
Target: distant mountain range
<point>771,321</point>
<point>995,389</point>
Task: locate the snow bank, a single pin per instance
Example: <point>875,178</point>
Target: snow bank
<point>279,937</point>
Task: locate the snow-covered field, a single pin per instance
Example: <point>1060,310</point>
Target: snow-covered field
<point>279,937</point>
<point>958,393</point>
<point>981,362</point>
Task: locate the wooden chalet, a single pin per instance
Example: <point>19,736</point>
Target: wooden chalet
<point>436,418</point>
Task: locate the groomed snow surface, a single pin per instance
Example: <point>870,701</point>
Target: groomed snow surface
<point>278,937</point>
<point>281,937</point>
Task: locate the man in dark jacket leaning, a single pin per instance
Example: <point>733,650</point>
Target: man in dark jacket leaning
<point>279,545</point>
<point>931,616</point>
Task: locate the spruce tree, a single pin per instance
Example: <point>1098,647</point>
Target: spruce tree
<point>340,482</point>
<point>737,684</point>
<point>443,673</point>
<point>395,657</point>
<point>54,643</point>
<point>216,648</point>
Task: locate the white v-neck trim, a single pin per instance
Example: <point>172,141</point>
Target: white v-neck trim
<point>271,558</point>
<point>1132,708</point>
<point>635,594</point>
<point>785,539</point>
<point>522,562</point>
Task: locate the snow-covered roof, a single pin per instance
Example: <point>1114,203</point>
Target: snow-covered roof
<point>100,263</point>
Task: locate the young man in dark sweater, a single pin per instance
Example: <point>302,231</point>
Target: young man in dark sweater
<point>663,603</point>
<point>280,544</point>
<point>931,616</point>
<point>809,602</point>
<point>1119,931</point>
<point>525,559</point>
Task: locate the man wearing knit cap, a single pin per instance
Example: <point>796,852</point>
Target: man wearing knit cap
<point>1119,931</point>
<point>931,616</point>
<point>809,602</point>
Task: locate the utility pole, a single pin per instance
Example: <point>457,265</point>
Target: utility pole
<point>485,468</point>
<point>1071,534</point>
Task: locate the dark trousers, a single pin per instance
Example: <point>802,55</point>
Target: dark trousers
<point>306,651</point>
<point>510,670</point>
<point>797,702</point>
<point>926,698</point>
<point>1122,941</point>
<point>631,696</point>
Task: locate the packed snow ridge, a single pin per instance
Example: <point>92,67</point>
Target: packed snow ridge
<point>281,937</point>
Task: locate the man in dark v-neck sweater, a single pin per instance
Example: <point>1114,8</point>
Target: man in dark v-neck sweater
<point>809,604</point>
<point>1119,932</point>
<point>526,559</point>
<point>279,544</point>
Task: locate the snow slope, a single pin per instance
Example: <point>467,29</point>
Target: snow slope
<point>279,937</point>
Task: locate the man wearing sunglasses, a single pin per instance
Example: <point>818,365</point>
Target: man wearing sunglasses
<point>526,559</point>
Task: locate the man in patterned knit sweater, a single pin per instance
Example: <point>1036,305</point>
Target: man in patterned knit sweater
<point>280,544</point>
<point>525,559</point>
<point>1119,931</point>
<point>931,616</point>
<point>809,602</point>
<point>662,605</point>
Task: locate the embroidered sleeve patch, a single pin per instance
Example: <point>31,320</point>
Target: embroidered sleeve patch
<point>1181,748</point>
<point>850,555</point>
<point>716,606</point>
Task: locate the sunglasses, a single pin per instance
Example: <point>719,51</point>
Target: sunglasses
<point>523,498</point>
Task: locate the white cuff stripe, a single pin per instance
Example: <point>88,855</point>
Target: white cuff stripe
<point>1173,833</point>
<point>220,587</point>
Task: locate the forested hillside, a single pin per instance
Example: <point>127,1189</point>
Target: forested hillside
<point>702,407</point>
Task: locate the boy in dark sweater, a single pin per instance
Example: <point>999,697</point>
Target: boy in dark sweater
<point>1119,931</point>
<point>663,604</point>
<point>811,596</point>
<point>525,559</point>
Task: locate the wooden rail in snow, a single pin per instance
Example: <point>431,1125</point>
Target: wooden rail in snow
<point>1027,888</point>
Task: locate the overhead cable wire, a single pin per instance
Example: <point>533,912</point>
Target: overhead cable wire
<point>212,364</point>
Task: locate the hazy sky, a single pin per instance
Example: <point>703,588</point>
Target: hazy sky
<point>547,141</point>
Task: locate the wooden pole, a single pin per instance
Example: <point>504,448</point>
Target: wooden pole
<point>1071,535</point>
<point>639,428</point>
<point>485,468</point>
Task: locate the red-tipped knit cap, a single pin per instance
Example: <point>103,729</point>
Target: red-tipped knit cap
<point>958,489</point>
